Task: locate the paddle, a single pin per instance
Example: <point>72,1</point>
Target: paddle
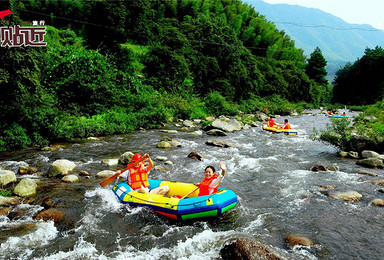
<point>113,177</point>
<point>222,166</point>
<point>190,193</point>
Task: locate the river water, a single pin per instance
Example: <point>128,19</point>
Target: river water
<point>278,195</point>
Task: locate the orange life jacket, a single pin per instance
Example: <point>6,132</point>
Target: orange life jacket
<point>287,126</point>
<point>139,177</point>
<point>204,186</point>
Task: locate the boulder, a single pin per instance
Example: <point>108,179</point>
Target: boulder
<point>105,174</point>
<point>227,125</point>
<point>8,201</point>
<point>243,248</point>
<point>5,211</point>
<point>110,162</point>
<point>378,202</point>
<point>371,162</point>
<point>220,144</point>
<point>50,214</point>
<point>163,144</point>
<point>70,178</point>
<point>216,132</point>
<point>61,168</point>
<point>295,240</point>
<point>194,155</point>
<point>369,154</point>
<point>347,196</point>
<point>26,188</point>
<point>26,170</point>
<point>126,158</point>
<point>7,177</point>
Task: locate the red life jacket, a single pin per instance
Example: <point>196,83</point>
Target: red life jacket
<point>139,177</point>
<point>204,186</point>
<point>271,122</point>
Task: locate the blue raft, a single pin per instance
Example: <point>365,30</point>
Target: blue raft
<point>191,207</point>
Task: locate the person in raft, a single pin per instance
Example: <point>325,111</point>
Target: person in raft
<point>211,180</point>
<point>137,177</point>
<point>271,122</point>
<point>286,125</point>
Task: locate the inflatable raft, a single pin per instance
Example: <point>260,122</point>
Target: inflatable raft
<point>191,207</point>
<point>280,130</point>
<point>336,116</point>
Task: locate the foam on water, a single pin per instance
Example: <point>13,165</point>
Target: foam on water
<point>44,233</point>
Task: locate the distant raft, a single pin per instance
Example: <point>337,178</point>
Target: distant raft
<point>336,116</point>
<point>172,206</point>
<point>280,130</point>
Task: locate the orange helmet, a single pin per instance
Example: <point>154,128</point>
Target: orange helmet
<point>136,157</point>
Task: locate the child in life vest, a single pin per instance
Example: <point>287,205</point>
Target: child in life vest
<point>137,176</point>
<point>286,124</point>
<point>271,122</point>
<point>211,180</point>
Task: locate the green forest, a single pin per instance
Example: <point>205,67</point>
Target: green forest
<point>111,67</point>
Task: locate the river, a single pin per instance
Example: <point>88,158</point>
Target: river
<point>270,173</point>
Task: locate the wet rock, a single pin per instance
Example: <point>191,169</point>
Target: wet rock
<point>194,155</point>
<point>105,174</point>
<point>197,132</point>
<point>381,190</point>
<point>175,143</point>
<point>295,240</point>
<point>346,196</point>
<point>5,211</point>
<point>7,177</point>
<point>227,125</point>
<point>110,162</point>
<point>378,202</point>
<point>353,154</point>
<point>163,144</point>
<point>188,123</point>
<point>126,158</point>
<point>169,131</point>
<point>242,248</point>
<point>161,158</point>
<point>369,154</point>
<point>367,173</point>
<point>8,201</point>
<point>161,168</point>
<point>220,144</point>
<point>50,214</point>
<point>216,132</point>
<point>61,168</point>
<point>70,178</point>
<point>318,168</point>
<point>343,154</point>
<point>371,162</point>
<point>168,162</point>
<point>93,138</point>
<point>378,182</point>
<point>84,173</point>
<point>326,187</point>
<point>26,170</point>
<point>26,188</point>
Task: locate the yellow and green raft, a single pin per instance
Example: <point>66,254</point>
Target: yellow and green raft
<point>280,130</point>
<point>172,206</point>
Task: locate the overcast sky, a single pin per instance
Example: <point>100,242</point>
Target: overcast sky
<point>352,11</point>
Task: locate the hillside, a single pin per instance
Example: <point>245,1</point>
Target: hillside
<point>339,41</point>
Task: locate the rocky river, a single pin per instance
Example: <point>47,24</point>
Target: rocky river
<point>279,195</point>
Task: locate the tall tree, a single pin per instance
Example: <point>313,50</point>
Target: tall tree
<point>315,68</point>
